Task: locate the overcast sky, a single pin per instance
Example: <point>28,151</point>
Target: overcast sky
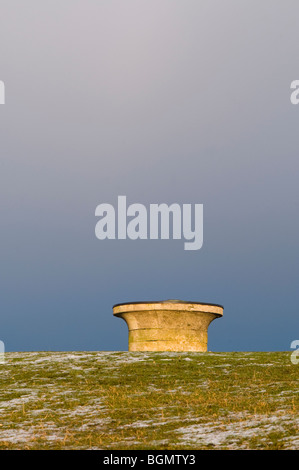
<point>161,101</point>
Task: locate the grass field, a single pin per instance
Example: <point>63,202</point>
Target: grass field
<point>121,400</point>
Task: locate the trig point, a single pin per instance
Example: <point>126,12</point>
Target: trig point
<point>169,325</point>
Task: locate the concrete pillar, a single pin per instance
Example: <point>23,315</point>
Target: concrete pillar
<point>170,325</point>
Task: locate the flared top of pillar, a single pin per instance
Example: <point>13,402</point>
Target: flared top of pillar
<point>171,304</point>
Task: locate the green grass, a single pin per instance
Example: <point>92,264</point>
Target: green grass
<point>171,401</point>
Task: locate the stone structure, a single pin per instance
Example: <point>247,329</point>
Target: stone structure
<point>170,325</point>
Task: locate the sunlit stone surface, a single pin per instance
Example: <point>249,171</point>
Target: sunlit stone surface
<point>170,325</point>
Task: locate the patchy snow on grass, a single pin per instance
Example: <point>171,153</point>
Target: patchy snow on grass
<point>15,436</point>
<point>232,434</point>
<point>17,402</point>
<point>124,399</point>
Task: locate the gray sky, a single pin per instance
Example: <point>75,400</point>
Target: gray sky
<point>161,101</point>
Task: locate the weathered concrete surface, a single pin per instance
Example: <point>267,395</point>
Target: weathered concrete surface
<point>171,325</point>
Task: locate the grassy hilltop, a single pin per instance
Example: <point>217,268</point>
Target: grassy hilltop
<point>121,400</point>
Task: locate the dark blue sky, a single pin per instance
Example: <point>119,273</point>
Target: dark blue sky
<point>161,101</point>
